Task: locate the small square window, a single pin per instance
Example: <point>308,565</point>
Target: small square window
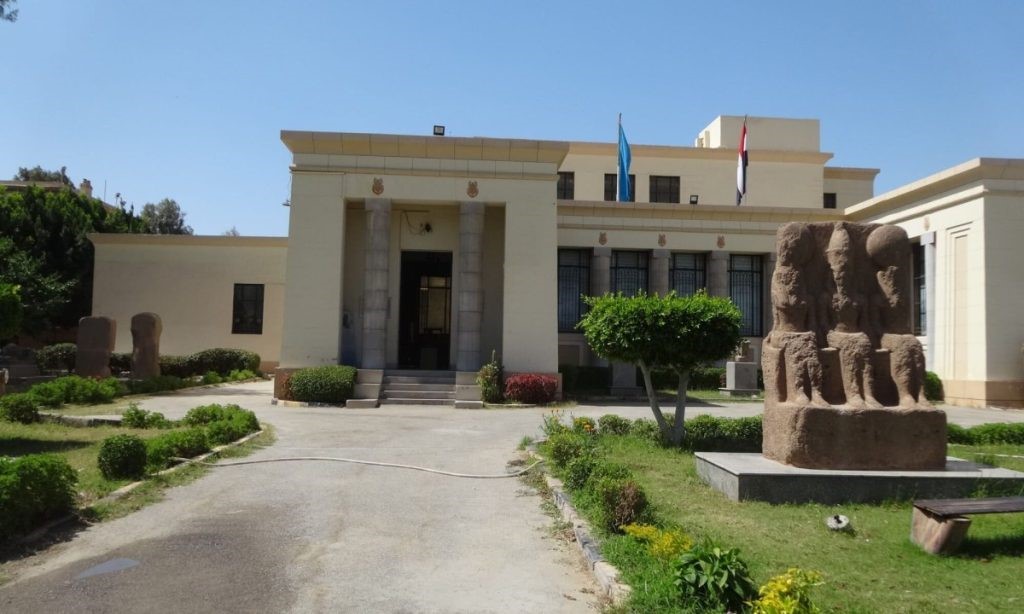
<point>611,187</point>
<point>664,189</point>
<point>566,186</point>
<point>829,200</point>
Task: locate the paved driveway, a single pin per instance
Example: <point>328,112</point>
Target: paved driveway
<point>326,537</point>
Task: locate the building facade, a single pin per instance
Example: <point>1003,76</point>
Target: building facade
<point>410,252</point>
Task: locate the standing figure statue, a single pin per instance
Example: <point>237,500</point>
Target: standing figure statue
<point>792,343</point>
<point>847,332</point>
<point>889,249</point>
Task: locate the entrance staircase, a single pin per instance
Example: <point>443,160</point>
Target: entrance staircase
<point>406,387</point>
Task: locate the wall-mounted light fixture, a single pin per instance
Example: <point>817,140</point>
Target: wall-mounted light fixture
<point>694,198</point>
<point>438,130</point>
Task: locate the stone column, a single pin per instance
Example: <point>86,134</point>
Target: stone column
<point>660,264</point>
<point>601,271</point>
<point>928,241</point>
<point>471,295</point>
<point>766,294</point>
<point>375,283</point>
<point>718,274</point>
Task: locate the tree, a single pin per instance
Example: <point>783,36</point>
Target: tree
<point>10,311</point>
<point>164,218</point>
<point>40,174</point>
<point>6,14</point>
<point>670,332</point>
<point>232,232</point>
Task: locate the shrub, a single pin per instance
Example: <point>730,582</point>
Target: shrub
<point>136,418</point>
<point>122,456</point>
<point>57,357</point>
<point>241,374</point>
<point>643,428</point>
<point>208,414</point>
<point>489,380</point>
<point>33,488</point>
<point>997,433</point>
<point>225,431</point>
<point>327,384</point>
<point>713,578</point>
<point>174,365</point>
<point>578,471</point>
<point>120,362</point>
<point>584,425</point>
<point>621,502</point>
<point>159,383</point>
<point>789,593</point>
<point>533,388</point>
<point>182,444</point>
<point>552,423</point>
<point>663,544</point>
<point>611,424</point>
<point>75,389</point>
<point>211,377</point>
<point>566,446</point>
<point>585,379</point>
<point>21,408</point>
<point>933,387</point>
<point>958,434</point>
<point>714,434</point>
<point>701,378</point>
<point>222,361</point>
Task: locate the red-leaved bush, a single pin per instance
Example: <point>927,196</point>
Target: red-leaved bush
<point>531,388</point>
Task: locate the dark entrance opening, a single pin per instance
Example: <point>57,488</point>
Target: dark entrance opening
<point>425,310</point>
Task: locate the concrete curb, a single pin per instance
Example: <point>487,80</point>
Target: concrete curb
<point>41,532</point>
<point>80,421</point>
<point>284,403</point>
<point>606,574</point>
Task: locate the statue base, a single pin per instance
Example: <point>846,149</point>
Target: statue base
<point>861,439</point>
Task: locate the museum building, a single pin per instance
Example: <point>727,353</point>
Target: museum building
<point>433,252</point>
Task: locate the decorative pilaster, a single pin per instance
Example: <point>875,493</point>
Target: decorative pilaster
<point>718,273</point>
<point>471,296</point>
<point>375,283</point>
<point>660,260</point>
<point>601,271</point>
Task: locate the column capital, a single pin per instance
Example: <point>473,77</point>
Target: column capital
<point>719,255</point>
<point>378,204</point>
<point>660,253</point>
<point>603,251</point>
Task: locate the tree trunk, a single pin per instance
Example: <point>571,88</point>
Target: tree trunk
<point>652,396</point>
<point>679,424</point>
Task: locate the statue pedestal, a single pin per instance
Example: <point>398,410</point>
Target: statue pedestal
<point>862,439</point>
<point>740,379</point>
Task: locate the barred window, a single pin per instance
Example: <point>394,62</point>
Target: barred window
<point>688,273</point>
<point>920,296</point>
<point>247,312</point>
<point>745,289</point>
<point>629,272</point>
<point>828,200</point>
<point>664,189</point>
<point>611,187</point>
<point>573,283</point>
<point>566,186</point>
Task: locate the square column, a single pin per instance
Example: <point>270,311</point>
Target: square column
<point>375,283</point>
<point>660,263</point>
<point>718,274</point>
<point>601,271</point>
<point>471,296</point>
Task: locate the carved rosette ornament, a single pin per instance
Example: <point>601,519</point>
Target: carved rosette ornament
<point>602,238</point>
<point>720,242</point>
<point>378,186</point>
<point>472,190</point>
<point>661,240</point>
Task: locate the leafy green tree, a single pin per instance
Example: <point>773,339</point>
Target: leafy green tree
<point>165,218</point>
<point>670,332</point>
<point>38,173</point>
<point>10,311</point>
<point>6,14</point>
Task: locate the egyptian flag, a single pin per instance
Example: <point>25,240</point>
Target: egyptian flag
<point>741,166</point>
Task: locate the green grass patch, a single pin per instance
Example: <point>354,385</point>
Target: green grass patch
<point>874,569</point>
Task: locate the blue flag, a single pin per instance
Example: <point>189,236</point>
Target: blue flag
<point>625,158</point>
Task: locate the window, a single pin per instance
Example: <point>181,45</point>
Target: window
<point>629,272</point>
<point>687,273</point>
<point>611,187</point>
<point>247,313</point>
<point>828,200</point>
<point>566,186</point>
<point>745,289</point>
<point>664,189</point>
<point>573,283</point>
<point>920,290</point>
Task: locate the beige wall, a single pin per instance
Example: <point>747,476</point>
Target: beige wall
<point>189,281</point>
<point>775,133</point>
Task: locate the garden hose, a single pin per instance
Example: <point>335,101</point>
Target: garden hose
<point>360,462</point>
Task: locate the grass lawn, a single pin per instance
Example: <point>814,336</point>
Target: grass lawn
<point>876,569</point>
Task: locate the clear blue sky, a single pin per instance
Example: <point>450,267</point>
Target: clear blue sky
<point>186,99</point>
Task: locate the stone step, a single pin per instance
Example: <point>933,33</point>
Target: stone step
<point>440,402</point>
<point>418,394</point>
<point>420,373</point>
<point>411,379</point>
<point>426,387</point>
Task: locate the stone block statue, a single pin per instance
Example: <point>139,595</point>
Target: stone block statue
<point>95,343</point>
<point>146,329</point>
<point>843,373</point>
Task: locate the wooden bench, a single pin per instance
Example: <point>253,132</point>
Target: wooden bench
<point>939,525</point>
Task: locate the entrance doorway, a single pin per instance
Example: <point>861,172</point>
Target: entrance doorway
<point>425,310</point>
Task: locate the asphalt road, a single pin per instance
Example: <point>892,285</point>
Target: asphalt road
<point>316,537</point>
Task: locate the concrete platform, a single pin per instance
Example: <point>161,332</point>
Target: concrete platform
<point>752,477</point>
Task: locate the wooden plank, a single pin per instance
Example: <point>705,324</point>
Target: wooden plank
<point>955,507</point>
<point>938,534</point>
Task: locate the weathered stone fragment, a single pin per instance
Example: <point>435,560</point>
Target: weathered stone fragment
<point>146,329</point>
<point>96,335</point>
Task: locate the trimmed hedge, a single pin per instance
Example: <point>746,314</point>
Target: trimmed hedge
<point>933,387</point>
<point>160,383</point>
<point>585,379</point>
<point>33,489</point>
<point>176,366</point>
<point>21,408</point>
<point>75,389</point>
<point>57,357</point>
<point>181,444</point>
<point>533,388</point>
<point>327,384</point>
<point>120,362</point>
<point>613,424</point>
<point>122,456</point>
<point>222,361</point>
<point>136,418</point>
<point>701,378</point>
<point>713,434</point>
<point>996,433</point>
